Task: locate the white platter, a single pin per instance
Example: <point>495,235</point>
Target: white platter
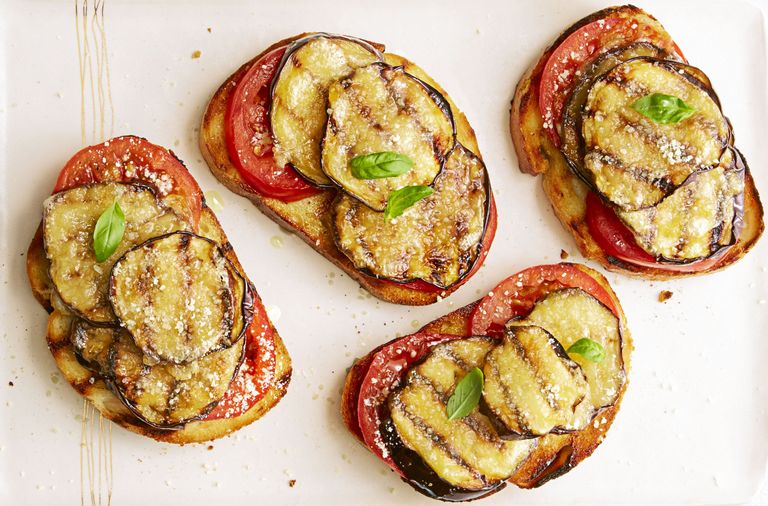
<point>694,426</point>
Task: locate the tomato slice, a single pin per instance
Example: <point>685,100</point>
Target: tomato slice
<point>256,374</point>
<point>490,234</point>
<point>249,136</point>
<point>563,67</point>
<point>616,240</point>
<point>351,394</point>
<point>387,367</point>
<point>516,295</point>
<point>128,159</point>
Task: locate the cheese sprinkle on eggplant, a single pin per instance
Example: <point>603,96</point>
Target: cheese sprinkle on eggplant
<point>300,93</point>
<point>533,386</point>
<point>694,221</point>
<point>571,314</point>
<point>175,296</point>
<point>69,218</point>
<point>166,395</point>
<point>635,161</point>
<point>382,108</point>
<point>438,239</point>
<point>467,452</point>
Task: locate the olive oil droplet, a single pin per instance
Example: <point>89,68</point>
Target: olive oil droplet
<point>214,200</point>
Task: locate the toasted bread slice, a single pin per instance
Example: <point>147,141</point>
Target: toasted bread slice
<point>310,218</point>
<point>566,192</point>
<point>555,454</point>
<point>93,387</point>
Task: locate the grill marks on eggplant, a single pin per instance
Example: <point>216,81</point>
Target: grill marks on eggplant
<point>656,176</point>
<point>532,389</point>
<point>570,129</point>
<point>167,395</point>
<point>437,240</point>
<point>383,108</point>
<point>161,393</point>
<point>533,386</point>
<point>696,220</point>
<point>467,453</point>
<point>571,314</point>
<point>634,161</point>
<point>69,218</point>
<point>175,295</point>
<point>299,97</point>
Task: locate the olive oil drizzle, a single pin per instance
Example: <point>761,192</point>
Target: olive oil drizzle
<point>96,466</point>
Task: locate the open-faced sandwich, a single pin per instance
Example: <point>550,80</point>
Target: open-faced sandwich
<point>361,154</point>
<point>152,317</point>
<point>637,158</point>
<point>519,386</point>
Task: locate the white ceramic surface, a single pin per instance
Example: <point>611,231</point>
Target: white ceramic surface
<point>693,428</point>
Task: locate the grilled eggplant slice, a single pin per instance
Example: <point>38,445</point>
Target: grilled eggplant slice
<point>438,239</point>
<point>467,453</point>
<point>382,108</point>
<point>92,344</point>
<point>571,314</point>
<point>634,161</point>
<point>299,97</point>
<point>176,297</point>
<point>572,145</point>
<point>533,386</point>
<point>696,220</point>
<point>165,395</point>
<point>69,218</point>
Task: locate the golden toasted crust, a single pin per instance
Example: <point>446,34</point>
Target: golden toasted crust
<point>555,454</point>
<point>90,385</point>
<point>310,218</point>
<point>566,192</point>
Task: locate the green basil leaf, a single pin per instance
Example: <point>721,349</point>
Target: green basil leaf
<point>108,232</point>
<point>466,396</point>
<point>589,349</point>
<point>380,165</point>
<point>400,200</point>
<point>664,109</point>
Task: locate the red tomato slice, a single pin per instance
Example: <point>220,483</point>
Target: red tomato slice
<point>490,233</point>
<point>616,240</point>
<point>516,295</point>
<point>387,367</point>
<point>130,158</point>
<point>351,394</point>
<point>256,374</point>
<point>249,136</point>
<point>562,68</point>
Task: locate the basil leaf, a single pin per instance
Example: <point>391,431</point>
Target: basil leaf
<point>664,109</point>
<point>589,349</point>
<point>108,232</point>
<point>380,165</point>
<point>400,200</point>
<point>466,395</point>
